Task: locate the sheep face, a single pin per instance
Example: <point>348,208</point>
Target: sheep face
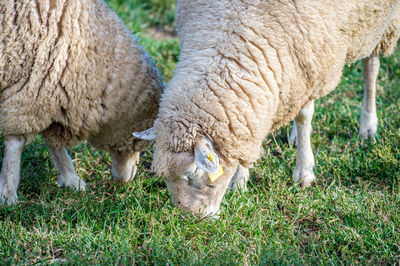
<point>196,180</point>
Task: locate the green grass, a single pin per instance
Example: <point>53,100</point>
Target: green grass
<point>351,215</point>
<point>150,18</point>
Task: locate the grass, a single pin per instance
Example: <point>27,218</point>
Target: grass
<point>350,216</point>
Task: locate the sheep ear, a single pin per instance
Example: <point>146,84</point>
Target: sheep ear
<point>205,157</point>
<point>147,134</point>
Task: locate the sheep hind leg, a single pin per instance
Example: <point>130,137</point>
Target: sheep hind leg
<point>303,172</point>
<point>239,179</point>
<point>10,171</point>
<point>124,165</point>
<point>63,163</point>
<point>368,117</point>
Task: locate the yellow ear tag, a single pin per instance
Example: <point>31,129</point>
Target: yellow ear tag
<point>210,157</point>
<point>216,175</point>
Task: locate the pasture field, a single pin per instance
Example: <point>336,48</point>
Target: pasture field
<point>350,216</point>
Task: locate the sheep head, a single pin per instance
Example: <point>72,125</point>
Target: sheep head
<point>196,179</point>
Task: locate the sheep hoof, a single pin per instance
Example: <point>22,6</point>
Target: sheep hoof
<point>124,176</point>
<point>124,166</point>
<point>240,185</point>
<point>367,133</point>
<point>306,183</point>
<point>73,182</point>
<point>368,125</point>
<point>305,177</point>
<point>8,198</point>
<point>239,179</point>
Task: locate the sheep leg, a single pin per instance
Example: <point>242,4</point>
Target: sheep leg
<point>239,179</point>
<point>303,172</point>
<point>293,135</point>
<point>10,171</point>
<point>63,163</point>
<point>368,118</point>
<point>124,165</point>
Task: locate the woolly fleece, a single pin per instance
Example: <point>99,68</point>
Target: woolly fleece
<point>71,71</point>
<point>247,67</point>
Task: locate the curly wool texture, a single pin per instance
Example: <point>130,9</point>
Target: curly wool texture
<point>248,67</point>
<point>71,71</point>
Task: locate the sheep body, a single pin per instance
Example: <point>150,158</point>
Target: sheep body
<point>71,71</point>
<point>246,68</point>
<point>264,62</point>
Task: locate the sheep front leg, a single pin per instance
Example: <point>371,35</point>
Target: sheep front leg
<point>63,163</point>
<point>124,165</point>
<point>239,179</point>
<point>303,172</point>
<point>368,118</point>
<point>9,177</point>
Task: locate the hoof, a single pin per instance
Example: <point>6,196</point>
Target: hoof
<point>367,133</point>
<point>124,176</point>
<point>241,185</point>
<point>307,181</point>
<point>73,182</point>
<point>9,199</point>
<point>305,177</point>
<point>368,125</point>
<point>7,195</point>
<point>239,179</point>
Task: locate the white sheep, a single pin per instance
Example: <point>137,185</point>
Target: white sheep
<point>71,71</point>
<point>246,68</point>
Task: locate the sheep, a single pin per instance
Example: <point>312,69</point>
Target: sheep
<point>71,71</point>
<point>246,68</point>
